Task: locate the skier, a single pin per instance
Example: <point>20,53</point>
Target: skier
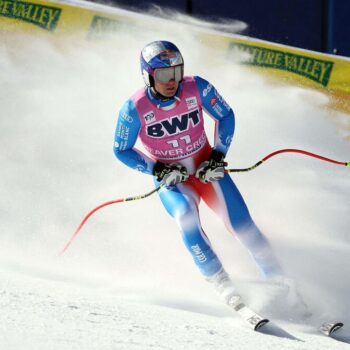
<point>167,116</point>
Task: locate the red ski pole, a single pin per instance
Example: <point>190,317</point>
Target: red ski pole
<point>289,150</point>
<point>86,218</point>
<point>347,164</point>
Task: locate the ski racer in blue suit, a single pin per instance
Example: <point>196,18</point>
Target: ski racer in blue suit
<point>167,116</point>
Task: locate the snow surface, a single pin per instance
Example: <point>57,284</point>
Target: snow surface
<point>127,282</point>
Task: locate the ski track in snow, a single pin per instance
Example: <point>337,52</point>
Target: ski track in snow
<point>44,314</point>
<point>127,281</point>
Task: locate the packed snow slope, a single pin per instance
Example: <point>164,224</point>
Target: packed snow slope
<point>127,282</point>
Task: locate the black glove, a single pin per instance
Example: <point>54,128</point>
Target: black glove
<point>170,174</point>
<point>212,169</point>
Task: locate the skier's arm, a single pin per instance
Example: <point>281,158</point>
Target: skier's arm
<point>126,133</point>
<point>220,111</point>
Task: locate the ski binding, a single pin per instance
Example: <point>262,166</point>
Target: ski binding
<point>254,320</point>
<point>329,328</point>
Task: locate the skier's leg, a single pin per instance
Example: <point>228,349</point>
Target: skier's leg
<point>237,218</point>
<point>225,199</point>
<point>181,202</point>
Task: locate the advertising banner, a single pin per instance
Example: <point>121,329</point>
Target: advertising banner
<point>91,22</point>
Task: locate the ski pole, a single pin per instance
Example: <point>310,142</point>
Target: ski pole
<point>121,200</point>
<point>288,150</point>
<point>347,164</point>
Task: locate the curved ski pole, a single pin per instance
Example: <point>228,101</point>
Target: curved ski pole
<point>288,150</point>
<point>347,164</point>
<point>121,200</point>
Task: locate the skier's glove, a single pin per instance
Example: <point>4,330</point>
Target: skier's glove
<point>170,174</point>
<point>212,169</point>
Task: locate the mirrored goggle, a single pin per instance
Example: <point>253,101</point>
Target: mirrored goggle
<point>164,75</point>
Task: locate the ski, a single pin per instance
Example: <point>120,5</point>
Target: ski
<point>254,320</point>
<point>330,328</point>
